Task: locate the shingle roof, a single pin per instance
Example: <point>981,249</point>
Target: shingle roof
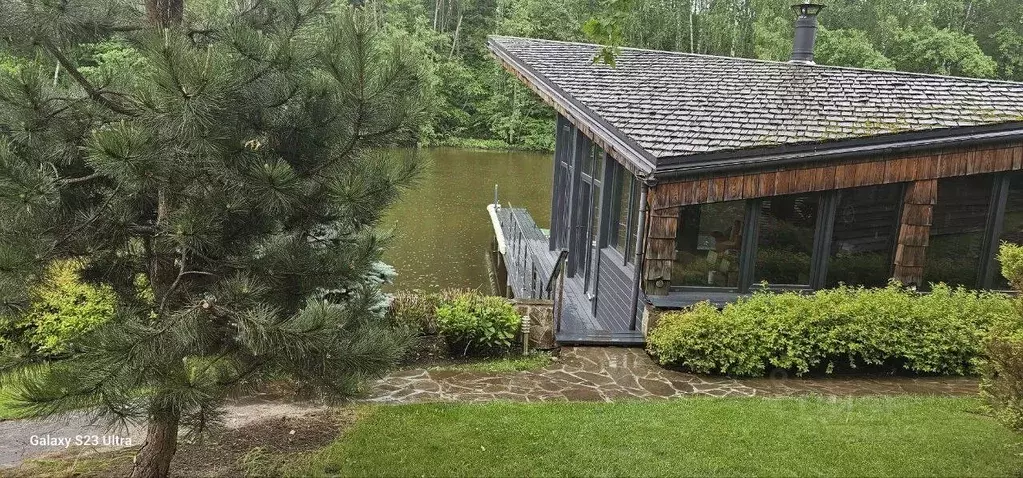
<point>676,104</point>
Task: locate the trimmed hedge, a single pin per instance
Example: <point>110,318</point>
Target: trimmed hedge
<point>943,332</point>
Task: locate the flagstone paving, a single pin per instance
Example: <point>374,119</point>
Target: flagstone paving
<point>610,374</point>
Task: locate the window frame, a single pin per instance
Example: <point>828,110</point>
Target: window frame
<point>824,230</point>
<point>820,257</point>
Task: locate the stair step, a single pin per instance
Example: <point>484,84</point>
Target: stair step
<point>593,337</point>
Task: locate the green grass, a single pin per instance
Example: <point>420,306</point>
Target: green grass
<point>503,365</point>
<point>720,437</point>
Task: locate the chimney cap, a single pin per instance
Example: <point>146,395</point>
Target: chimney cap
<point>807,9</point>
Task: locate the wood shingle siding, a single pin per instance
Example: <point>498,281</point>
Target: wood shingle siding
<point>914,231</point>
<point>874,172</point>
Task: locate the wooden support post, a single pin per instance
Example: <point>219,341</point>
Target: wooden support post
<point>660,249</point>
<point>915,231</point>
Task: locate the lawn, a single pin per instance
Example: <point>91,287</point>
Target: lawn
<point>763,437</point>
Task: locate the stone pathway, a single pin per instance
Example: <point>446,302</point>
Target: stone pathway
<point>610,374</point>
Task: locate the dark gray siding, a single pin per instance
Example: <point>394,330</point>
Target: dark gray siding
<point>614,294</point>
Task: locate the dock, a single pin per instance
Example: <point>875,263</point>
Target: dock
<point>532,271</point>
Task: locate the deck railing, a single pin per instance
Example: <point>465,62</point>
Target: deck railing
<point>559,274</point>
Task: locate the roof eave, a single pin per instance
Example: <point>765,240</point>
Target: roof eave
<point>610,138</point>
<point>879,146</point>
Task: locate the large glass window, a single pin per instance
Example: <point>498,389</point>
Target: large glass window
<point>1012,226</point>
<point>863,240</point>
<point>786,238</point>
<point>957,230</point>
<point>708,244</point>
<point>596,176</point>
<point>624,203</point>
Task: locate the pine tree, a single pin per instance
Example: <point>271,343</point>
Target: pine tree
<point>219,165</point>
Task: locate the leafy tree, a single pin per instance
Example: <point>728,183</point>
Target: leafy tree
<point>850,48</point>
<point>233,166</point>
<point>941,51</point>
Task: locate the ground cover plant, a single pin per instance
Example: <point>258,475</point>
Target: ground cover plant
<point>844,329</point>
<point>692,437</point>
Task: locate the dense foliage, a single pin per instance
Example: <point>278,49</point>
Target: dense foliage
<point>230,154</point>
<point>477,323</point>
<point>63,309</point>
<point>468,321</point>
<point>415,311</point>
<point>890,329</point>
<point>1002,386</point>
<point>978,38</point>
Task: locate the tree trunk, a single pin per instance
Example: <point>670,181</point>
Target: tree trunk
<point>436,13</point>
<point>164,13</point>
<point>154,458</point>
<point>692,26</point>
<point>454,42</point>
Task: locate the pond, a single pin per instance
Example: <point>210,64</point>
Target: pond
<point>442,231</point>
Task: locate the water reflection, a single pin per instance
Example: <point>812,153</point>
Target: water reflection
<point>442,230</point>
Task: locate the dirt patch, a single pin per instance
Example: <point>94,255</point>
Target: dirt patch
<point>258,448</point>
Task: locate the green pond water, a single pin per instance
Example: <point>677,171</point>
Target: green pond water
<point>442,231</point>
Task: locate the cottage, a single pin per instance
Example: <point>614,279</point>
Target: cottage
<point>681,178</point>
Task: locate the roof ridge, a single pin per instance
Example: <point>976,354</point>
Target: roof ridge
<point>774,62</point>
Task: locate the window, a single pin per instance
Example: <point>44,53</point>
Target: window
<point>863,240</point>
<point>596,172</point>
<point>957,230</point>
<point>786,239</point>
<point>708,243</point>
<point>624,203</point>
<point>1012,226</point>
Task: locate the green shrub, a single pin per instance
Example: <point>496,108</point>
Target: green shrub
<point>1002,384</point>
<point>939,333</point>
<point>415,311</point>
<point>472,322</point>
<point>64,308</point>
<point>1011,258</point>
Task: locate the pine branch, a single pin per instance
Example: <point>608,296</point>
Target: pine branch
<point>91,90</point>
<point>177,280</point>
<point>69,181</point>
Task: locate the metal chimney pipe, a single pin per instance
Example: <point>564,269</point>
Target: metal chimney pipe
<point>806,32</point>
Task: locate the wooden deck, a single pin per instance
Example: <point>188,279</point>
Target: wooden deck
<point>530,264</point>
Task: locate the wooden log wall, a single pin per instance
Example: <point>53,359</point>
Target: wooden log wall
<point>915,231</point>
<point>924,169</point>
